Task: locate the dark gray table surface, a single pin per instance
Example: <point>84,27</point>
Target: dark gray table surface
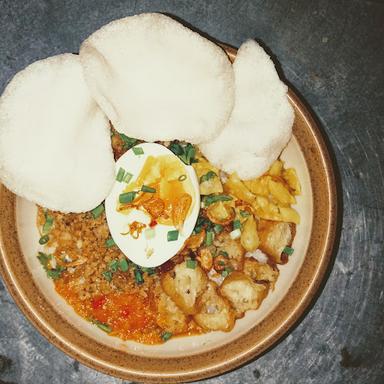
<point>332,52</point>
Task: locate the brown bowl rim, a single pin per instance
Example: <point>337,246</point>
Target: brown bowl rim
<point>197,366</point>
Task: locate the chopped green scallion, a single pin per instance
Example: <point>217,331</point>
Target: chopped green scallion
<point>176,148</point>
<point>123,265</point>
<point>197,230</point>
<point>48,223</point>
<point>138,151</point>
<point>139,276</point>
<point>53,273</point>
<point>166,336</point>
<point>182,177</point>
<point>190,153</point>
<point>120,175</point>
<point>149,270</point>
<point>127,197</point>
<point>172,235</point>
<point>44,259</point>
<point>203,222</point>
<point>113,265</point>
<point>209,238</point>
<point>109,243</point>
<point>129,142</point>
<point>44,239</point>
<point>191,264</point>
<point>224,253</point>
<point>209,175</point>
<point>107,275</point>
<point>226,272</point>
<point>96,212</point>
<point>218,228</point>
<point>185,153</point>
<point>127,177</point>
<point>288,251</point>
<point>244,213</point>
<point>147,189</point>
<point>104,327</point>
<point>210,199</point>
<point>236,224</point>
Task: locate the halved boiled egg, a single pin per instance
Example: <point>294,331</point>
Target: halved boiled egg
<point>154,204</point>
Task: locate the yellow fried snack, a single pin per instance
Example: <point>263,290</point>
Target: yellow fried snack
<point>290,176</point>
<point>242,292</point>
<point>273,194</point>
<point>184,285</point>
<point>280,193</point>
<point>289,215</point>
<point>276,168</point>
<point>274,237</point>
<point>215,312</point>
<point>169,315</point>
<point>270,211</point>
<point>229,251</point>
<point>249,238</point>
<point>205,258</point>
<point>261,271</point>
<point>259,186</point>
<point>208,176</point>
<point>220,213</point>
<point>237,188</point>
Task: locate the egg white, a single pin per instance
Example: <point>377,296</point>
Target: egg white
<point>136,249</point>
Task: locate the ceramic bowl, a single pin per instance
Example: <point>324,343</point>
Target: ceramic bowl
<point>196,357</point>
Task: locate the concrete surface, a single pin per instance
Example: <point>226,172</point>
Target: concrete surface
<point>332,52</point>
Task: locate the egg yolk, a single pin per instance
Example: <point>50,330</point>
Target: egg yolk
<point>164,191</point>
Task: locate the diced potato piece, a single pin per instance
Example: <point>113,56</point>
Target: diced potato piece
<point>289,215</point>
<point>276,168</point>
<point>265,209</point>
<point>213,185</point>
<point>220,213</point>
<point>280,193</point>
<point>269,211</point>
<point>203,166</point>
<point>259,272</point>
<point>169,316</point>
<point>215,312</point>
<point>274,237</point>
<point>237,188</point>
<point>290,176</point>
<point>226,245</point>
<point>205,258</point>
<point>184,285</point>
<point>249,237</point>
<point>259,186</point>
<point>242,292</point>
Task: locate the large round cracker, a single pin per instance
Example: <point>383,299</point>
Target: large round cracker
<point>260,125</point>
<point>55,146</point>
<point>158,80</point>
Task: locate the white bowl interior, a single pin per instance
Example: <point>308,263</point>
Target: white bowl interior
<point>28,237</point>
